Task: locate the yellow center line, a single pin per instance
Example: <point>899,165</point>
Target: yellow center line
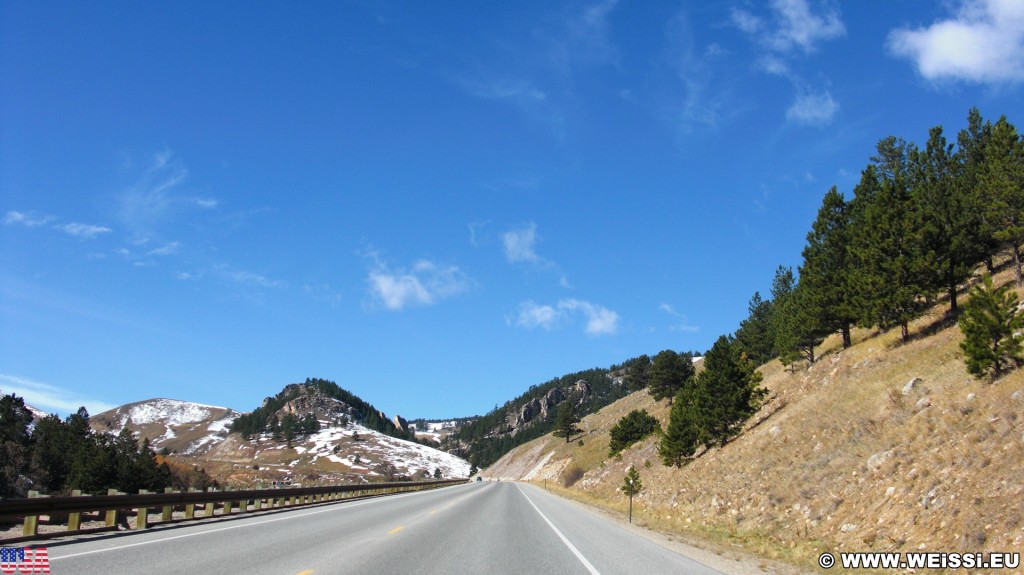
<point>396,529</point>
<point>434,511</point>
<point>306,572</point>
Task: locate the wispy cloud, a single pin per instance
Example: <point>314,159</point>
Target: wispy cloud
<point>84,231</point>
<point>790,29</point>
<point>246,277</point>
<point>982,42</point>
<point>156,196</point>
<point>815,109</point>
<point>29,220</point>
<point>533,315</point>
<point>519,244</point>
<point>598,320</point>
<point>50,398</point>
<point>424,284</point>
<point>165,250</point>
<point>792,25</point>
<point>684,324</point>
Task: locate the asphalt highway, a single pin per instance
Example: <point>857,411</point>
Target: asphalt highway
<point>474,528</point>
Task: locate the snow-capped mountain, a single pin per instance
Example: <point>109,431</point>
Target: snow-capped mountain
<point>180,426</point>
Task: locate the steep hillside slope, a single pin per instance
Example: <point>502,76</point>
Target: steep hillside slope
<point>878,447</point>
<point>183,427</point>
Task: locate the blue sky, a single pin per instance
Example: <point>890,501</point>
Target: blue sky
<point>436,205</point>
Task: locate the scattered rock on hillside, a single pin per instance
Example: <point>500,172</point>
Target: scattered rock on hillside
<point>876,461</point>
<point>911,385</point>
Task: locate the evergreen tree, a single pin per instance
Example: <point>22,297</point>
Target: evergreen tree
<point>941,214</point>
<point>886,247</point>
<point>633,427</point>
<point>727,392</point>
<point>782,286</point>
<point>638,372</point>
<point>754,333</point>
<point>992,329</point>
<point>825,274</point>
<point>798,327</point>
<point>1003,185</point>
<point>684,434</point>
<point>631,484</point>
<point>566,421</point>
<point>972,146</point>
<point>670,373</point>
<point>15,445</point>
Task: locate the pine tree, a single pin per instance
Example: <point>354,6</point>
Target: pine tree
<point>1003,182</point>
<point>940,212</point>
<point>684,434</point>
<point>631,484</point>
<point>797,325</point>
<point>727,391</point>
<point>825,274</point>
<point>754,333</point>
<point>972,147</point>
<point>670,373</point>
<point>992,329</point>
<point>888,262</point>
<point>633,427</point>
<point>565,422</point>
<point>638,372</point>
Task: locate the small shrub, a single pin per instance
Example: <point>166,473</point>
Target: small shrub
<point>571,475</point>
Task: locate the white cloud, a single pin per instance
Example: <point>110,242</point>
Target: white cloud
<point>49,398</point>
<point>84,231</point>
<point>746,21</point>
<point>532,315</point>
<point>519,244</point>
<point>684,326</point>
<point>156,196</point>
<point>813,109</point>
<point>799,27</point>
<point>28,220</point>
<point>245,277</point>
<point>983,42</point>
<point>793,25</point>
<point>599,319</point>
<point>425,284</point>
<point>165,250</point>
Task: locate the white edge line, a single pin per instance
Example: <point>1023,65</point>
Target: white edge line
<point>571,547</point>
<point>238,526</point>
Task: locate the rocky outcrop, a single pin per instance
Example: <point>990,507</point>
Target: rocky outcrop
<point>401,423</point>
<point>544,407</point>
<point>321,406</point>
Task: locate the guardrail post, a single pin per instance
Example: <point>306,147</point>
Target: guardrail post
<point>168,511</point>
<point>31,526</point>
<point>111,518</point>
<point>190,508</point>
<point>75,519</point>
<point>142,514</point>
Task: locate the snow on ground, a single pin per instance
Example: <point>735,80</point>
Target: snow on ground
<point>168,411</point>
<point>408,458</point>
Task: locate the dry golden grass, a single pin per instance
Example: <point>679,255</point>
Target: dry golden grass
<point>838,458</point>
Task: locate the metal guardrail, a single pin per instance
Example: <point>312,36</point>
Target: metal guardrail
<point>28,510</point>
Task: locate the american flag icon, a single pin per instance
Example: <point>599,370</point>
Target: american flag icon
<point>24,560</point>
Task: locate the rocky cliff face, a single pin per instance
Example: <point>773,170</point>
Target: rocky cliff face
<point>544,407</point>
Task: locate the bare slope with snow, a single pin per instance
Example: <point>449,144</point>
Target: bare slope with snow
<point>180,426</point>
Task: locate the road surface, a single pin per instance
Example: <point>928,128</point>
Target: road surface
<point>475,528</point>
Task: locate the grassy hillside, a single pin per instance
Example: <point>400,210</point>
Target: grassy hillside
<point>844,455</point>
